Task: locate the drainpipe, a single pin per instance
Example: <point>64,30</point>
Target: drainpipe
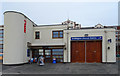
<point>106,44</point>
<point>67,46</point>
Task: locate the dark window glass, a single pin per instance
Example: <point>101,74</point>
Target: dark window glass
<point>57,34</point>
<point>1,35</point>
<point>1,50</point>
<point>1,38</point>
<point>37,35</point>
<point>57,51</point>
<point>28,52</point>
<point>47,56</point>
<point>116,32</point>
<point>1,42</point>
<point>1,46</point>
<point>1,31</point>
<point>47,52</point>
<point>58,54</point>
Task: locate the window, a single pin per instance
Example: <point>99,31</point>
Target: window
<point>37,35</point>
<point>47,52</point>
<point>118,32</point>
<point>58,54</point>
<point>1,50</point>
<point>1,46</point>
<point>28,52</point>
<point>1,31</point>
<point>1,39</point>
<point>40,51</point>
<point>57,34</point>
<point>57,51</point>
<point>1,42</point>
<point>1,35</point>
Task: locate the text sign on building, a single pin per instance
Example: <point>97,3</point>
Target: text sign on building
<point>87,38</point>
<point>24,26</point>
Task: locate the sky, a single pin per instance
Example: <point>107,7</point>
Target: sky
<point>84,13</point>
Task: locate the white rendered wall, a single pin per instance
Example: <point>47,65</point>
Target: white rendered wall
<point>15,40</point>
<point>46,35</point>
<point>29,35</point>
<point>111,54</point>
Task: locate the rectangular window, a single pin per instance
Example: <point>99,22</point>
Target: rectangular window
<point>40,51</point>
<point>1,46</point>
<point>1,42</point>
<point>1,31</point>
<point>28,52</point>
<point>57,34</point>
<point>1,38</point>
<point>58,54</point>
<point>1,50</point>
<point>1,35</point>
<point>47,52</point>
<point>37,35</point>
<point>57,51</point>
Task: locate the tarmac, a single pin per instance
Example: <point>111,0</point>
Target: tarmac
<point>61,68</point>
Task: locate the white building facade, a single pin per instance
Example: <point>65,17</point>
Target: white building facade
<point>23,39</point>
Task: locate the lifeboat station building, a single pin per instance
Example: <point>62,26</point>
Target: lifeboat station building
<point>67,42</point>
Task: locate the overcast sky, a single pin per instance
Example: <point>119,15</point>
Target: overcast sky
<point>84,13</point>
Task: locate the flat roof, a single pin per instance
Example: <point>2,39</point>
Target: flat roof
<point>50,25</point>
<point>90,28</point>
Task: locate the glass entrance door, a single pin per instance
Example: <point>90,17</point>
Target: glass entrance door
<point>35,53</point>
<point>48,55</point>
<point>41,52</point>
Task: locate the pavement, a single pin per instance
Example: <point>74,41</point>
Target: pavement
<point>60,68</point>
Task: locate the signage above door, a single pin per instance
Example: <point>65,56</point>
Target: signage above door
<point>87,38</point>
